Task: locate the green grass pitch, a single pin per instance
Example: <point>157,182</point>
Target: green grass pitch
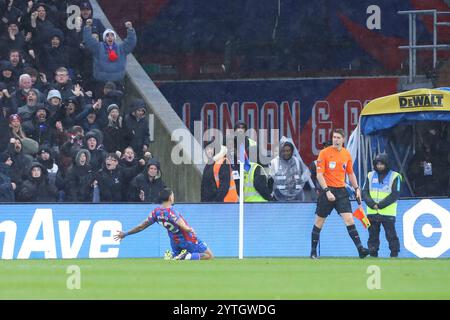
<point>252,278</point>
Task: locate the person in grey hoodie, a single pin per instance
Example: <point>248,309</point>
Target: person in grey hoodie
<point>79,178</point>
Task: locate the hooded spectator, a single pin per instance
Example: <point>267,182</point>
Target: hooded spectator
<point>288,173</point>
<point>79,178</point>
<point>54,101</point>
<point>93,143</point>
<point>146,186</point>
<point>111,95</point>
<point>40,127</point>
<point>21,161</point>
<point>7,186</point>
<point>137,123</point>
<point>37,187</point>
<point>12,38</point>
<point>7,103</point>
<point>11,14</point>
<point>111,178</point>
<point>55,54</point>
<point>44,156</point>
<point>8,76</point>
<point>26,111</point>
<point>41,26</point>
<point>117,137</point>
<point>130,162</point>
<point>87,12</point>
<point>58,10</point>
<point>92,121</point>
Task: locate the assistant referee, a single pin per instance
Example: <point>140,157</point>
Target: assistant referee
<point>333,163</point>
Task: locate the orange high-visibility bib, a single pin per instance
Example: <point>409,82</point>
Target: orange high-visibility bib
<point>231,195</point>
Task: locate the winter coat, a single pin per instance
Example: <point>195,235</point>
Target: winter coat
<point>105,70</point>
<point>64,89</point>
<point>208,191</point>
<point>4,132</point>
<point>37,189</point>
<point>79,179</point>
<point>139,132</point>
<point>116,138</point>
<point>151,188</point>
<point>98,154</point>
<point>111,183</point>
<point>6,189</point>
<point>54,58</point>
<point>42,132</point>
<point>20,166</point>
<point>129,165</point>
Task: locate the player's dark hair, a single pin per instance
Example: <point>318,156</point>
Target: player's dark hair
<point>164,194</point>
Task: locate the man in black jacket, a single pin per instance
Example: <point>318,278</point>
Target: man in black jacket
<point>79,178</point>
<point>208,189</point>
<point>21,161</point>
<point>7,187</point>
<point>37,187</point>
<point>111,178</point>
<point>145,187</point>
<point>136,122</point>
<point>40,128</point>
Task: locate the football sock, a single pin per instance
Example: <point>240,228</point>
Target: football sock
<point>192,256</point>
<point>315,236</point>
<point>355,236</point>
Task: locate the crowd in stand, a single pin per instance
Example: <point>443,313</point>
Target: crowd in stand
<point>66,135</point>
<point>64,132</point>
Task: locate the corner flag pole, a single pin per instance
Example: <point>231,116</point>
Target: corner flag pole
<point>241,210</point>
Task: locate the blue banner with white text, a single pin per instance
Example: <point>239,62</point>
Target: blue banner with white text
<point>270,230</point>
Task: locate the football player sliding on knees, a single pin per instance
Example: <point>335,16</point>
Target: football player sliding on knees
<point>183,239</point>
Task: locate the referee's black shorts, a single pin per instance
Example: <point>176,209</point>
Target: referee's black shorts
<point>341,204</point>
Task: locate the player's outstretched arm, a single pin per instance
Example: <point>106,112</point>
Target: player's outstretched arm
<point>120,234</point>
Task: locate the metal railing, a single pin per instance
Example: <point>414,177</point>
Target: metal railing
<point>413,46</point>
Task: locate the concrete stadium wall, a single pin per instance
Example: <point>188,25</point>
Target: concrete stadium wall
<point>36,231</point>
<point>184,179</point>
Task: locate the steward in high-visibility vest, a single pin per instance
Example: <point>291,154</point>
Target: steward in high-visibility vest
<point>381,192</point>
<point>223,175</point>
<point>255,184</point>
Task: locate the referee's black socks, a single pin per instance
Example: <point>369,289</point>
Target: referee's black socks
<point>315,236</point>
<point>355,236</point>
